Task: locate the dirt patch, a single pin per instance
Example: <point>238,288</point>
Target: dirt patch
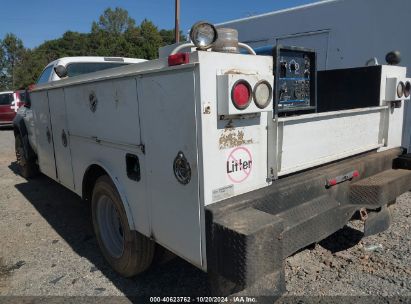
<point>4,269</point>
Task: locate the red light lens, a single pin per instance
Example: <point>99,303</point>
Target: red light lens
<point>179,58</point>
<point>241,94</point>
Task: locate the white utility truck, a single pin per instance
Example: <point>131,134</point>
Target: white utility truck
<point>190,152</point>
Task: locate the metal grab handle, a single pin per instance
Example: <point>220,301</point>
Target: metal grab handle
<point>181,47</point>
<point>247,47</point>
<point>189,44</point>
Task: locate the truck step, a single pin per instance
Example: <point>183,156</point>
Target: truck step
<point>310,222</point>
<point>380,189</point>
<point>403,162</point>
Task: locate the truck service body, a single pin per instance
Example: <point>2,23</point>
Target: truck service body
<point>232,190</point>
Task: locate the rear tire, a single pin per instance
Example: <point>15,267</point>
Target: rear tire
<point>128,252</point>
<point>27,167</point>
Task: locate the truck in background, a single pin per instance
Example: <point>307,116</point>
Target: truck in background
<point>343,33</point>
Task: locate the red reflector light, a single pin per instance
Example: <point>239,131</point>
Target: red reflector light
<point>241,94</point>
<point>332,182</point>
<point>342,178</point>
<point>179,58</point>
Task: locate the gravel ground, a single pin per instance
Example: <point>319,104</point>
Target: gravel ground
<point>47,248</point>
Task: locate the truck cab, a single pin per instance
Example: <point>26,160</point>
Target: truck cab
<point>75,66</point>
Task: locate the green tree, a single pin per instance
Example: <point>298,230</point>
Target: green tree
<point>3,70</point>
<point>115,21</point>
<point>12,51</point>
<point>169,37</point>
<point>151,40</point>
<point>27,71</point>
<point>114,34</point>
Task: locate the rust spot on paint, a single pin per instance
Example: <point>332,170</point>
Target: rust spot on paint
<point>231,137</point>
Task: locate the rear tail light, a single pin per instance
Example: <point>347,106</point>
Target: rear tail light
<point>241,94</point>
<point>263,92</point>
<point>179,58</point>
<point>407,89</point>
<point>400,89</point>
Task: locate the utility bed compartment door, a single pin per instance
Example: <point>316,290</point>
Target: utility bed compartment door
<point>44,135</point>
<point>168,121</point>
<point>106,109</point>
<point>61,137</point>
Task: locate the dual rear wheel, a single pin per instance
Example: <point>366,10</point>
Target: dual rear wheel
<point>27,167</point>
<point>128,252</point>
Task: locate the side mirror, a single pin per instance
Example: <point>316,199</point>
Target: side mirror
<point>27,101</point>
<point>61,71</point>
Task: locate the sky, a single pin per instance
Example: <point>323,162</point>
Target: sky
<point>37,21</point>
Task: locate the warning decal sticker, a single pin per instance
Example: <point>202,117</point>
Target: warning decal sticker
<point>239,164</point>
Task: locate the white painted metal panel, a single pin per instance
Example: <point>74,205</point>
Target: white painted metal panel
<point>61,138</point>
<point>168,120</point>
<point>115,117</point>
<point>112,158</point>
<point>396,124</point>
<point>227,141</point>
<point>312,140</point>
<point>406,139</point>
<point>44,135</point>
<point>105,136</point>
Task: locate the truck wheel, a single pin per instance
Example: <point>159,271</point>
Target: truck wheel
<point>28,167</point>
<point>128,252</point>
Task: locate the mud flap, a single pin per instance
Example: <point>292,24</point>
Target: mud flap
<point>378,221</point>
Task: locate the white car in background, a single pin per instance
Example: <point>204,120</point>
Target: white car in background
<point>74,66</point>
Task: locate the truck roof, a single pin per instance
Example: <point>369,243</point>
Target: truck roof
<point>67,60</point>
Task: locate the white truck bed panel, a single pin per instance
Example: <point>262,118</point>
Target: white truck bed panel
<point>168,125</point>
<point>312,140</point>
<point>116,116</point>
